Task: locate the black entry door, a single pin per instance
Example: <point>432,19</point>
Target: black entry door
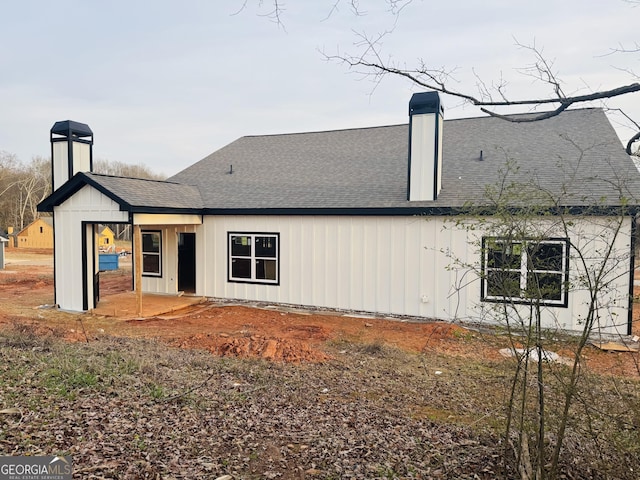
<point>187,262</point>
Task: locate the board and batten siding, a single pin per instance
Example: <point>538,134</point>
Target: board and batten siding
<point>384,265</point>
<point>87,205</point>
<point>415,266</point>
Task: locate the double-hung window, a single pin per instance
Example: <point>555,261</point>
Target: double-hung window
<point>523,271</point>
<point>253,257</point>
<point>152,253</point>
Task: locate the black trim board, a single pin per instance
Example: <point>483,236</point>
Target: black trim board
<point>85,267</point>
<point>255,234</point>
<point>632,265</point>
<point>55,270</point>
<point>425,211</point>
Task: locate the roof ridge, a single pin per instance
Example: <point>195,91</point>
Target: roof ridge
<point>335,130</point>
<point>132,178</point>
<point>526,114</point>
<point>324,131</point>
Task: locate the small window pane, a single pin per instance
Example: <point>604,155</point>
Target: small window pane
<point>504,255</point>
<point>266,247</point>
<point>503,284</point>
<point>266,269</point>
<point>241,268</point>
<point>150,263</point>
<point>546,256</point>
<point>151,242</point>
<point>240,246</point>
<point>546,286</point>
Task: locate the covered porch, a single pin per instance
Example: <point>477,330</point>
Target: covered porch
<point>125,305</point>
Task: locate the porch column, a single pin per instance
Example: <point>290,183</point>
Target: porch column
<point>137,249</point>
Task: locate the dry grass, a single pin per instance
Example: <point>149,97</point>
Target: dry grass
<point>137,409</point>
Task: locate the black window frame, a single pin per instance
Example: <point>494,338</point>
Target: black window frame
<point>255,261</point>
<point>147,253</point>
<point>523,270</point>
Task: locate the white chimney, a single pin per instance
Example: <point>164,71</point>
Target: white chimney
<point>425,146</point>
<point>71,151</point>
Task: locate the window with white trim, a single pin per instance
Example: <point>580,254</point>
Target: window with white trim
<point>152,253</point>
<point>253,257</point>
<point>524,271</point>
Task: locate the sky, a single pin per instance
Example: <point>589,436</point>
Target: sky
<point>165,83</point>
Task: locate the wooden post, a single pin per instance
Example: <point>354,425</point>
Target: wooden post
<point>137,248</point>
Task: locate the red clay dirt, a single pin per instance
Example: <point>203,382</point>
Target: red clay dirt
<point>248,331</point>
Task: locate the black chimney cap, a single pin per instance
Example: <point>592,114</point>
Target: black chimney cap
<point>425,102</point>
<point>69,128</point>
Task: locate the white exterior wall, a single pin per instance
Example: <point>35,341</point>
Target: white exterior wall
<point>392,265</point>
<point>376,264</point>
<point>87,205</point>
<point>81,157</point>
<point>60,164</point>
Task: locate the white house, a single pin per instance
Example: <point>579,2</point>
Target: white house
<point>382,220</point>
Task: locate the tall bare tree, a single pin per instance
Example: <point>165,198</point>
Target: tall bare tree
<point>121,169</point>
<point>22,187</point>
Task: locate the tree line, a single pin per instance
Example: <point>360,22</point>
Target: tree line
<point>23,185</point>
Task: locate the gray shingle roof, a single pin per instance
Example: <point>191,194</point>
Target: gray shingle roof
<point>137,192</point>
<point>577,153</point>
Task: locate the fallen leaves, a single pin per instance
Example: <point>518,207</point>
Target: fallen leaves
<point>214,417</point>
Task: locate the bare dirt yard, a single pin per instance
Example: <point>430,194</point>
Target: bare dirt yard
<point>281,334</point>
<point>258,391</point>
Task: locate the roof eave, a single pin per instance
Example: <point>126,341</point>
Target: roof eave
<point>588,210</point>
<point>70,188</point>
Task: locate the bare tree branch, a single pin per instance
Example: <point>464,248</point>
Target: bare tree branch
<point>542,69</point>
<point>434,79</point>
<point>369,63</point>
<point>491,96</point>
<point>528,119</point>
<point>275,14</point>
<point>241,9</point>
<point>631,141</point>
